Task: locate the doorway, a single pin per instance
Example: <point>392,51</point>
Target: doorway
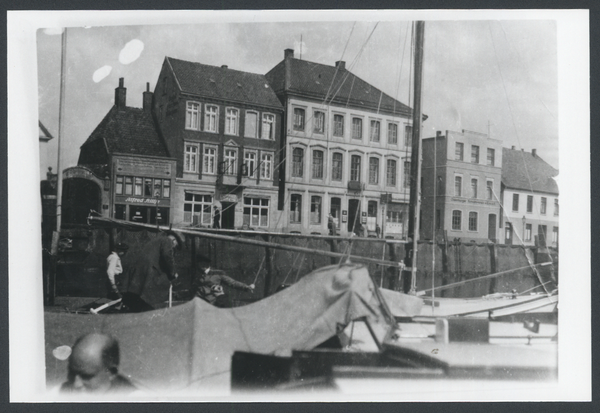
<point>492,227</point>
<point>228,215</point>
<point>353,213</point>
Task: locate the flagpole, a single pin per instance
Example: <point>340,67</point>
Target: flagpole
<point>61,109</point>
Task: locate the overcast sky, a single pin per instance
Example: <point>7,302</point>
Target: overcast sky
<point>496,76</point>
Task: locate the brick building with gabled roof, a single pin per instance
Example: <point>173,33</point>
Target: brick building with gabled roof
<point>529,197</point>
<point>124,170</point>
<point>223,126</point>
<point>348,148</point>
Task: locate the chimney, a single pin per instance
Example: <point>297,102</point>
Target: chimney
<point>513,147</point>
<point>223,66</point>
<point>288,54</point>
<point>147,99</point>
<point>120,94</point>
<point>340,64</point>
<point>534,152</point>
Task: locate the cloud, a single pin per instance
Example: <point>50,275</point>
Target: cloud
<point>131,52</point>
<point>101,73</point>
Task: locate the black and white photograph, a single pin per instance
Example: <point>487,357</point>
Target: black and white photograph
<point>348,205</point>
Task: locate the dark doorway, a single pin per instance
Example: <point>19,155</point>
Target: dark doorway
<point>509,233</point>
<point>79,197</point>
<point>353,213</point>
<point>228,215</point>
<point>492,227</point>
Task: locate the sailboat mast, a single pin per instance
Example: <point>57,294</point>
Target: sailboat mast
<point>415,170</point>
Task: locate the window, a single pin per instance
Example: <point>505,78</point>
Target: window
<point>527,232</point>
<point>394,216</point>
<point>119,185</point>
<point>268,126</point>
<point>391,173</point>
<point>515,204</point>
<point>298,162</point>
<point>317,164</point>
<point>230,162</point>
<point>157,188</point>
<point>197,209</point>
<point>490,190</point>
<point>336,169</point>
<point>372,209</point>
<point>148,187</point>
<point>256,212</point>
<point>375,131</point>
<point>319,121</point>
<point>315,209</point>
<point>456,220</point>
<point>166,188</point>
<point>529,203</point>
<point>554,235</point>
<point>211,118</point>
<point>209,160</point>
<point>299,118</point>
<point>296,208</point>
<point>543,206</point>
<point>392,137</point>
<point>192,115</point>
<point>458,186</point>
<point>491,157</point>
<point>556,207</point>
<point>356,128</point>
<point>251,127</point>
<point>250,162</point>
<point>508,231</point>
<point>190,163</point>
<point>266,166</point>
<point>373,171</point>
<point>474,154</point>
<point>408,136</point>
<point>338,125</point>
<point>459,151</point>
<point>407,174</point>
<point>231,121</point>
<point>355,168</point>
<point>472,221</point>
<point>137,186</point>
<point>474,188</point>
<point>128,185</point>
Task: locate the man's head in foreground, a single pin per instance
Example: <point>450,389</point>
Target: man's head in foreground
<point>93,364</point>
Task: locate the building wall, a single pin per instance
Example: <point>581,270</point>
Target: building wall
<point>313,138</point>
<point>471,201</point>
<point>233,189</point>
<point>526,224</point>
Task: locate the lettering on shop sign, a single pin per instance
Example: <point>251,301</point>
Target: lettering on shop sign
<point>143,200</point>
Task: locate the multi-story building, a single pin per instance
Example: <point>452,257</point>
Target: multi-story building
<point>123,170</point>
<point>347,149</point>
<point>529,197</point>
<point>461,175</point>
<point>223,127</point>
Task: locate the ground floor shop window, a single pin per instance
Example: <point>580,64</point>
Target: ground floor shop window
<point>296,208</point>
<point>197,209</point>
<point>148,214</point>
<point>335,210</point>
<point>256,212</point>
<point>315,210</point>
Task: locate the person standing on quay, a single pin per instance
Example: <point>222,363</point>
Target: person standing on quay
<point>150,273</point>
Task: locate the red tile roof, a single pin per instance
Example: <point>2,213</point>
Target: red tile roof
<point>129,131</point>
<point>223,83</point>
<point>329,83</point>
<point>523,170</point>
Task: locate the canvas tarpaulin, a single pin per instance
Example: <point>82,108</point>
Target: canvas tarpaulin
<point>188,348</point>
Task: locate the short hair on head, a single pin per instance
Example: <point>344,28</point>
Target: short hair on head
<point>110,353</point>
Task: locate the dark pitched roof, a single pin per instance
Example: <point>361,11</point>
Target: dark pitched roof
<point>223,83</point>
<point>320,81</point>
<point>129,131</point>
<point>44,134</point>
<point>523,170</point>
